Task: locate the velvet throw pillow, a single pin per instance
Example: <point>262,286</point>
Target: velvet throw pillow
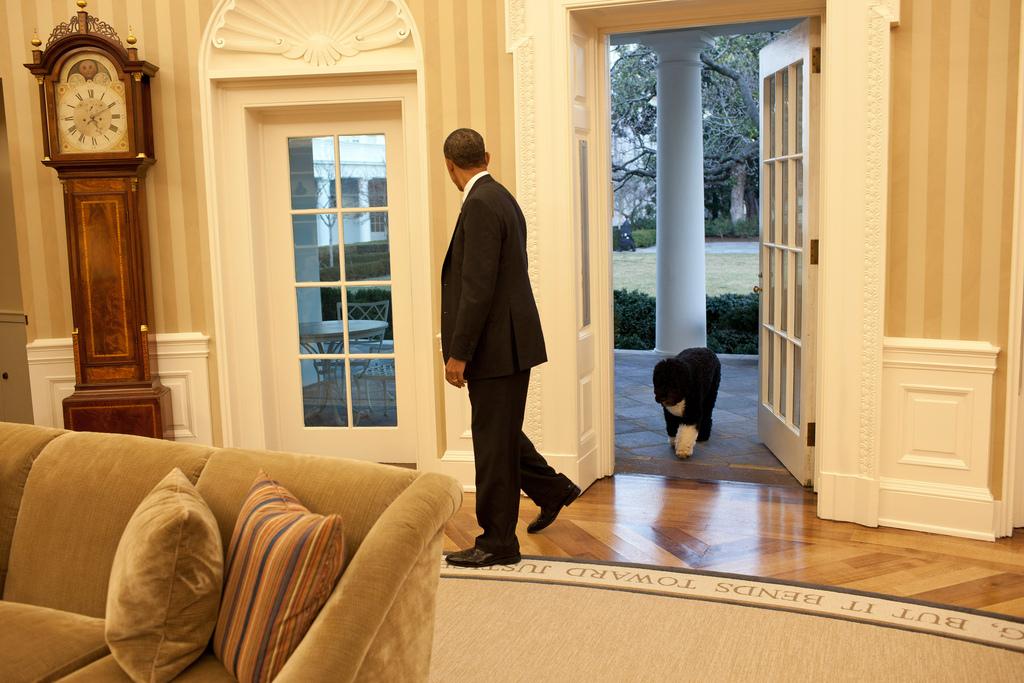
<point>282,565</point>
<point>165,583</point>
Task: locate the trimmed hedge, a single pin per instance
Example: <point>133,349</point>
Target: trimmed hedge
<point>722,227</point>
<point>732,321</point>
<point>645,235</point>
<point>644,238</point>
<point>634,319</point>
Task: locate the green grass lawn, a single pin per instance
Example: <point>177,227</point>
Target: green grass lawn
<point>726,273</point>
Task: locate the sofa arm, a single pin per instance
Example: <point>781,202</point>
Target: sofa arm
<point>395,572</point>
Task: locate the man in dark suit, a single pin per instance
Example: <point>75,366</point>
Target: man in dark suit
<point>490,338</point>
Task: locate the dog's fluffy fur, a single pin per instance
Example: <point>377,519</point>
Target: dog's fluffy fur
<point>687,387</point>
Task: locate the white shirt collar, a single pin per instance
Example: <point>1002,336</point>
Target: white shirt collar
<point>471,183</point>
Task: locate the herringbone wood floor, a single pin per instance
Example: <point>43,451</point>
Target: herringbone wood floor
<point>765,531</point>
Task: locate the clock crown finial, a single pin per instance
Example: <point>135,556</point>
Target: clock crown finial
<point>36,42</point>
<point>131,39</point>
<point>81,4</point>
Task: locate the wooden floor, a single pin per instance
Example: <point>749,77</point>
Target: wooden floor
<point>765,531</point>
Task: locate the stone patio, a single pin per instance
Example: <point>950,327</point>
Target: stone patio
<point>733,453</point>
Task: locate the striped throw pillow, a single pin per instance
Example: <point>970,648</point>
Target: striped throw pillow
<point>282,565</point>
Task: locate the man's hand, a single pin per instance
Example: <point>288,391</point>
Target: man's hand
<point>454,373</point>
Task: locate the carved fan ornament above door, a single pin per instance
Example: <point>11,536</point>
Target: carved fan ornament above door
<point>319,32</point>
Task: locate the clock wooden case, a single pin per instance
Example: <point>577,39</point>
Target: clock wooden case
<point>94,96</point>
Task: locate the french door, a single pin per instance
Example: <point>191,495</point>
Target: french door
<point>788,254</point>
<point>338,305</point>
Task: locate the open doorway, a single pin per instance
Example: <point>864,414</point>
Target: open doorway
<point>711,168</point>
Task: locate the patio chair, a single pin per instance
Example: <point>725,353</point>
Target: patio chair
<point>370,369</point>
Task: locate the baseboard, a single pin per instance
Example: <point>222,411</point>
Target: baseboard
<point>183,363</point>
<point>965,511</point>
<point>852,498</point>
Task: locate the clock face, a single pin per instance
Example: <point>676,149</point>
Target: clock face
<point>91,112</point>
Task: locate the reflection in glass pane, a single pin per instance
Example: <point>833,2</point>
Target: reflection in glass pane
<point>784,204</point>
<point>798,295</point>
<point>320,326</point>
<point>367,251</point>
<point>770,88</point>
<point>311,162</point>
<point>370,322</point>
<point>785,291</point>
<point>785,111</point>
<point>799,192</point>
<point>373,392</point>
<point>783,376</point>
<point>363,171</point>
<point>324,401</point>
<point>798,111</point>
<point>769,341</point>
<point>771,203</point>
<point>771,286</point>
<point>317,256</point>
<point>796,386</point>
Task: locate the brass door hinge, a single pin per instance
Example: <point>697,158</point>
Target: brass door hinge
<point>810,434</point>
<point>814,252</point>
<point>816,60</point>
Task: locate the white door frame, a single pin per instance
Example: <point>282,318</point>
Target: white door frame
<point>853,191</point>
<point>242,77</point>
<point>1013,443</point>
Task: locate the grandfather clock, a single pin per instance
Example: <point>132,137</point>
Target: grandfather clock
<point>97,120</point>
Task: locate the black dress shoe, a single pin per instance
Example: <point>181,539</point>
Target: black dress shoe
<point>477,557</point>
<point>548,514</point>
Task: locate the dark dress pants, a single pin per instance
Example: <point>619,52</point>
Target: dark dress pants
<point>506,461</point>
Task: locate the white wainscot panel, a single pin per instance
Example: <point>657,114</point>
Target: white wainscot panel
<point>936,437</point>
<point>183,367</point>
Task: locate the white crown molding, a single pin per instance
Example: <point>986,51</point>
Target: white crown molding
<point>318,32</point>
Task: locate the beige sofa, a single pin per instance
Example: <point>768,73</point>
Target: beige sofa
<point>66,497</point>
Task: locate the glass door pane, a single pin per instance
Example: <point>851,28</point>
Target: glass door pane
<point>346,332</point>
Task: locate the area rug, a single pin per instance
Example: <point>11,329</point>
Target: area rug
<point>564,620</point>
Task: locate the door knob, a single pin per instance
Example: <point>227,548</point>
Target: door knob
<point>4,376</point>
<point>757,290</point>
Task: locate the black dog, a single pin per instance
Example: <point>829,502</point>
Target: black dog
<point>686,387</point>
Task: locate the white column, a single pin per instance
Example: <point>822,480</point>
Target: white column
<point>681,290</point>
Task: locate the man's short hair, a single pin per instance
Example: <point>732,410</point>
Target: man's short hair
<point>465,148</point>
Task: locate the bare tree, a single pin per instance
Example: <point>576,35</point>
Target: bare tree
<point>731,114</point>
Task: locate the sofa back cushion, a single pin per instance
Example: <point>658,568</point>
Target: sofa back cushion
<point>356,491</point>
<point>19,446</point>
<point>82,490</point>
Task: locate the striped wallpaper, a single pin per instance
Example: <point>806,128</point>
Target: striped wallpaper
<point>168,35</point>
<point>952,155</point>
<point>465,44</point>
<point>469,82</point>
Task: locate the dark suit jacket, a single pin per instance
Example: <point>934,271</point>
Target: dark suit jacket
<point>488,314</point>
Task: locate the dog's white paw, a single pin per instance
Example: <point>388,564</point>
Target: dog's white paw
<point>685,440</point>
